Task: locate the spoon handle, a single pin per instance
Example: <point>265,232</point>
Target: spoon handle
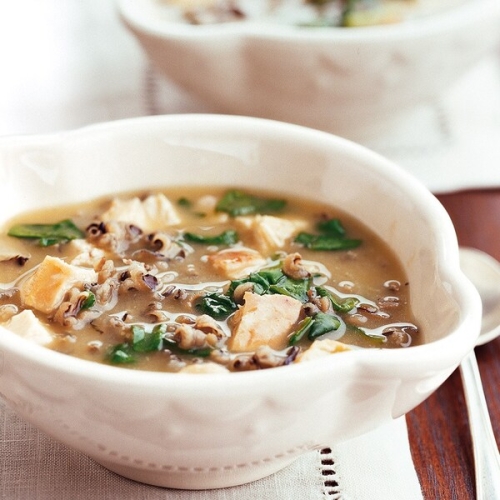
<point>486,456</point>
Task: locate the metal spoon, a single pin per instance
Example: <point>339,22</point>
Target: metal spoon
<point>484,272</point>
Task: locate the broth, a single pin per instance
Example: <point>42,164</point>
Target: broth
<point>201,280</point>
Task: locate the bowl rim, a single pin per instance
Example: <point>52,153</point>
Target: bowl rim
<point>455,18</point>
<point>434,355</point>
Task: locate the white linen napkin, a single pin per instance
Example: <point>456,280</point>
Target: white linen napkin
<point>453,143</point>
<point>35,467</point>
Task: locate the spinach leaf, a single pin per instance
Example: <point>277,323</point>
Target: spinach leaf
<point>228,237</point>
<point>142,342</point>
<point>202,352</point>
<point>47,234</point>
<point>274,280</point>
<point>303,329</point>
<point>332,237</point>
<point>331,227</point>
<point>236,202</point>
<point>270,275</point>
<point>184,202</point>
<point>322,242</point>
<point>338,304</point>
<point>147,342</point>
<point>323,323</point>
<point>88,302</point>
<point>216,305</point>
<point>296,289</point>
<point>121,354</point>
<point>314,327</point>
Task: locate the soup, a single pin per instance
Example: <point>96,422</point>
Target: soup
<point>201,280</point>
<point>319,13</point>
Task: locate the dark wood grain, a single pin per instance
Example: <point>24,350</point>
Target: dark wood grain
<point>438,428</point>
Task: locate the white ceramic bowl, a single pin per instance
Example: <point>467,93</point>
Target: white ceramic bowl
<point>205,431</point>
<point>349,81</point>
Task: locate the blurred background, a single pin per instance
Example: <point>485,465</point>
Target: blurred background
<point>66,64</point>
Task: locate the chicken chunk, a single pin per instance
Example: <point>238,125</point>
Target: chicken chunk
<point>46,288</point>
<point>154,213</point>
<point>268,232</point>
<point>85,254</point>
<point>236,263</point>
<point>321,348</point>
<point>264,320</point>
<point>27,325</point>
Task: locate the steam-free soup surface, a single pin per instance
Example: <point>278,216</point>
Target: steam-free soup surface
<point>202,280</point>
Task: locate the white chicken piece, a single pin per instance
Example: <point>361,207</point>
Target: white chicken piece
<point>45,289</point>
<point>322,348</point>
<point>83,253</point>
<point>264,320</point>
<point>268,232</point>
<point>235,263</point>
<point>27,325</point>
<point>154,213</point>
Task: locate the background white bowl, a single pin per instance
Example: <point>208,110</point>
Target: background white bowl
<point>206,431</point>
<point>349,81</point>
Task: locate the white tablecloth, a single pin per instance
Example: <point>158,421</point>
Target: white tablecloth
<point>35,467</point>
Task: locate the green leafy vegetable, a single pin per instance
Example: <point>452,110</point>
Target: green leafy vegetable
<point>228,237</point>
<point>331,227</point>
<point>339,305</point>
<point>271,280</point>
<point>47,234</point>
<point>122,354</point>
<point>202,352</point>
<point>274,280</point>
<point>332,237</point>
<point>301,332</point>
<point>236,203</point>
<point>142,342</point>
<point>88,302</point>
<point>322,323</point>
<point>184,202</point>
<point>217,305</point>
<point>314,327</point>
<point>296,289</point>
<point>147,342</point>
<point>325,242</point>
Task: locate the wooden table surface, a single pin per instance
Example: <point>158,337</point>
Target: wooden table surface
<point>438,428</point>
